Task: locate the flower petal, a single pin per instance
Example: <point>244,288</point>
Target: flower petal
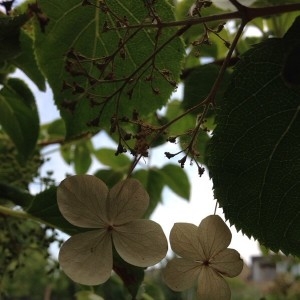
<point>81,200</point>
<point>128,200</point>
<point>181,274</point>
<point>228,263</point>
<point>212,286</point>
<point>214,235</point>
<point>87,257</point>
<point>141,242</point>
<point>184,241</point>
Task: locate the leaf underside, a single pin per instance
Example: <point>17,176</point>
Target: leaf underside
<point>254,152</point>
<point>110,70</point>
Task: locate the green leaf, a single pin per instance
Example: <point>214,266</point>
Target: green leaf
<point>67,153</point>
<point>109,158</point>
<point>129,79</point>
<point>200,145</point>
<point>132,276</point>
<point>153,182</point>
<point>87,295</point>
<point>109,177</point>
<point>82,158</point>
<point>174,110</point>
<point>9,35</point>
<point>198,83</point>
<point>19,116</point>
<point>55,130</point>
<point>196,32</point>
<point>44,206</point>
<point>177,180</point>
<point>16,195</point>
<point>26,61</point>
<point>254,152</point>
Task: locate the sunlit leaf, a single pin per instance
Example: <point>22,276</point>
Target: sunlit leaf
<point>108,157</point>
<point>111,83</point>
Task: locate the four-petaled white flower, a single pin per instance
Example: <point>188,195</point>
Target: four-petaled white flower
<point>114,217</point>
<point>204,259</point>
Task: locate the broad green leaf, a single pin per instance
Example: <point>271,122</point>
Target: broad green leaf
<point>132,276</point>
<point>77,153</point>
<point>16,195</point>
<point>67,153</point>
<point>153,182</point>
<point>198,83</point>
<point>110,177</point>
<point>254,152</point>
<point>112,79</point>
<point>82,158</point>
<point>183,10</point>
<point>184,124</point>
<point>19,116</point>
<point>177,180</point>
<point>54,130</point>
<point>87,295</point>
<point>109,158</point>
<point>9,35</point>
<point>44,206</point>
<point>26,61</point>
<point>152,290</point>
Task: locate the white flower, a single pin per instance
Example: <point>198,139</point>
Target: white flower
<point>114,219</point>
<point>204,260</point>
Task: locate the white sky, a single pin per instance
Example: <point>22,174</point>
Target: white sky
<point>173,209</point>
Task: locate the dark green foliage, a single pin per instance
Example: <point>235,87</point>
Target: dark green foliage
<point>254,152</point>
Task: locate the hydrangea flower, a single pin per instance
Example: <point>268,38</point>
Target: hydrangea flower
<point>204,259</point>
<point>114,219</point>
